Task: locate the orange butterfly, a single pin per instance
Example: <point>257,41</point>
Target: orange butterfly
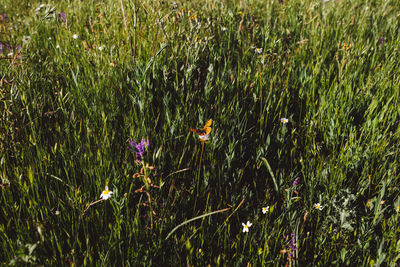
<point>204,132</point>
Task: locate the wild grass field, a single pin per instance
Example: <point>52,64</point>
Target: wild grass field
<point>301,163</point>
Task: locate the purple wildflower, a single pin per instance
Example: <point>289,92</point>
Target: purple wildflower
<point>1,48</point>
<point>62,16</point>
<point>381,40</point>
<point>139,149</point>
<point>292,246</point>
<point>296,181</point>
<point>293,242</point>
<point>18,48</point>
<point>3,16</point>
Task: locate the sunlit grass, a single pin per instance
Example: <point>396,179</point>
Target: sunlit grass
<point>300,167</point>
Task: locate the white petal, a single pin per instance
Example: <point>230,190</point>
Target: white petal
<point>203,137</point>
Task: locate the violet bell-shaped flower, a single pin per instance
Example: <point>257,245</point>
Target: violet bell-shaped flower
<point>139,148</point>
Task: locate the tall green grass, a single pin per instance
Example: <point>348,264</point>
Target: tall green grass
<point>69,107</point>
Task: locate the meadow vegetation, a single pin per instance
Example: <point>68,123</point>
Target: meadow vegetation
<point>301,165</point>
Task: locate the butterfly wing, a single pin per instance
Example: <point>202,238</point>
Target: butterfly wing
<point>205,130</point>
<point>207,127</point>
<point>208,123</point>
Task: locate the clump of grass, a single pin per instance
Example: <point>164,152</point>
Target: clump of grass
<point>304,101</point>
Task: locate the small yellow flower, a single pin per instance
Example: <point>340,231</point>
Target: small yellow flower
<point>106,194</point>
<point>318,206</point>
<point>265,209</point>
<point>258,50</point>
<point>246,226</point>
<point>347,47</point>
